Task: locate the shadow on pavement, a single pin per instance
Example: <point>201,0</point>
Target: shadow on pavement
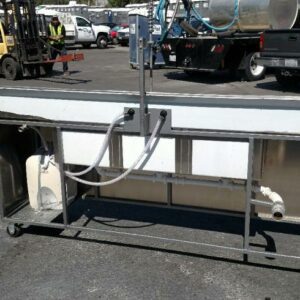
<point>275,86</point>
<point>58,77</point>
<point>218,77</point>
<point>109,214</point>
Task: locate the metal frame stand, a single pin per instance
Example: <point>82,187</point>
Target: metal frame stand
<point>248,198</point>
<point>245,249</point>
<point>168,179</point>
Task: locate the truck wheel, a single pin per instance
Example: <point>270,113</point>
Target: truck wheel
<point>11,69</point>
<point>13,230</point>
<point>101,41</point>
<point>287,81</point>
<point>253,71</point>
<point>86,45</point>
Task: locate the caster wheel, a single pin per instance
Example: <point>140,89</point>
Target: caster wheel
<point>13,230</point>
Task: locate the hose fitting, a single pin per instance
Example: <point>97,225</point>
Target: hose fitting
<point>131,112</point>
<point>278,207</point>
<point>22,128</point>
<point>163,114</point>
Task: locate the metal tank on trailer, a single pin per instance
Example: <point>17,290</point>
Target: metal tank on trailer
<point>254,15</point>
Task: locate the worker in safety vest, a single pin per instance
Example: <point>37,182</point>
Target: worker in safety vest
<point>56,35</point>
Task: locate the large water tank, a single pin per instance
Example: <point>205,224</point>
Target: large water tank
<point>255,15</point>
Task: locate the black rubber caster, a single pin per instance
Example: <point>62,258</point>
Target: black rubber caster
<point>14,230</point>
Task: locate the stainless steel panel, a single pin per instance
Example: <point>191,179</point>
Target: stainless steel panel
<point>136,190</point>
<point>184,154</point>
<point>211,198</point>
<point>115,151</point>
<point>281,172</point>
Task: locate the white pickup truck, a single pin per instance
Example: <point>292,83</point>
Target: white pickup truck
<point>79,30</point>
<point>84,32</point>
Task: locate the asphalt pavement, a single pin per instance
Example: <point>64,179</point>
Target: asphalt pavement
<point>53,264</point>
<point>109,69</point>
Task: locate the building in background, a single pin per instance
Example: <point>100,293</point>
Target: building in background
<point>101,3</point>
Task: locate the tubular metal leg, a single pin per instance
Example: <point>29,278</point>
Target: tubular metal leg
<point>60,160</point>
<point>248,197</point>
<point>170,194</point>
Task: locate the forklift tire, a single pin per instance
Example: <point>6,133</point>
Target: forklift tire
<point>11,69</point>
<point>101,41</point>
<point>253,71</point>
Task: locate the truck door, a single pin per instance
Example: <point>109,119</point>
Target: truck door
<point>84,30</point>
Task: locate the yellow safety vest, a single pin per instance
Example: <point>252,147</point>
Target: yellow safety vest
<point>54,33</point>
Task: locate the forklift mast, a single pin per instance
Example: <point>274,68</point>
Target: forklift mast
<point>22,23</point>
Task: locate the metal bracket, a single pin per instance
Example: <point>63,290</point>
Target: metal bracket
<point>132,124</point>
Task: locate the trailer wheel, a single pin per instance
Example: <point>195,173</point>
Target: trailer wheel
<point>101,41</point>
<point>14,230</point>
<point>287,81</point>
<point>253,71</point>
<point>11,69</point>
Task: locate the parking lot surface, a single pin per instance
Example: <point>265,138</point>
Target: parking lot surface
<point>53,264</point>
<point>109,70</point>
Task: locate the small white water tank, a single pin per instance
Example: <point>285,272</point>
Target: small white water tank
<point>44,183</point>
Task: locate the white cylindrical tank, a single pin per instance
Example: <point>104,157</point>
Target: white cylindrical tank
<point>255,15</point>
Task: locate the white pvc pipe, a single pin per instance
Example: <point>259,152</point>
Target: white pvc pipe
<point>278,207</point>
<point>136,162</point>
<point>267,192</point>
<point>102,150</point>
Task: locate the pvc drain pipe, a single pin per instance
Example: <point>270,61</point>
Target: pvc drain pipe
<point>278,207</point>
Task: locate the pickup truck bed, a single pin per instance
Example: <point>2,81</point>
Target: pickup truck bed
<point>281,54</point>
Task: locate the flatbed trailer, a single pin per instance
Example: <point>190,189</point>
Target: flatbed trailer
<point>230,143</point>
<point>232,51</point>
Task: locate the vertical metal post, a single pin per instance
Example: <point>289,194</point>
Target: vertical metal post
<point>60,161</point>
<point>1,208</point>
<point>169,194</point>
<point>150,26</point>
<point>248,197</point>
<point>143,105</point>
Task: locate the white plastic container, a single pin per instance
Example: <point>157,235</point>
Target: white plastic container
<point>44,183</point>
